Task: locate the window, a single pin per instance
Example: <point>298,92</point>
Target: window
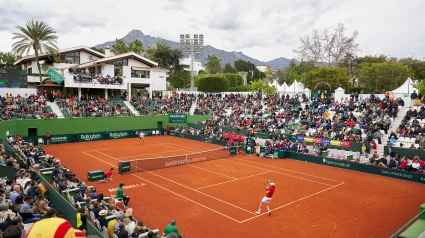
<point>71,58</point>
<point>123,62</point>
<point>140,74</point>
<point>118,70</point>
<point>29,70</point>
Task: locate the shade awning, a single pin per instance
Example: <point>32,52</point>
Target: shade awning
<point>140,68</point>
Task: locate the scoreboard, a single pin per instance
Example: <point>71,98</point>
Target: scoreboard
<point>13,78</point>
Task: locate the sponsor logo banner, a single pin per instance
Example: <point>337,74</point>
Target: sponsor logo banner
<point>177,118</point>
<point>58,139</point>
<point>116,135</point>
<point>299,138</point>
<point>90,137</point>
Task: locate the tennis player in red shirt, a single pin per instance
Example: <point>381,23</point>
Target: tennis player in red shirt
<point>107,177</point>
<point>266,200</point>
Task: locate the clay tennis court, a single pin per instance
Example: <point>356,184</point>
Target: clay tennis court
<point>218,198</point>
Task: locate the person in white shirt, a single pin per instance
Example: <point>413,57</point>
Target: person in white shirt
<point>141,137</point>
<point>415,166</point>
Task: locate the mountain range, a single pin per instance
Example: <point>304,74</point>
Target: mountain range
<point>225,56</point>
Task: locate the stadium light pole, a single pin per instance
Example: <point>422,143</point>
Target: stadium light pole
<point>191,44</point>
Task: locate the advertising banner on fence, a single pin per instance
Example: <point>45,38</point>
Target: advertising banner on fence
<point>177,118</point>
<point>120,134</point>
<point>398,174</point>
<point>90,136</point>
<point>319,140</point>
<point>59,139</point>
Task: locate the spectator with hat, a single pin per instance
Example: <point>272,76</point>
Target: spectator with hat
<point>121,196</point>
<point>102,218</point>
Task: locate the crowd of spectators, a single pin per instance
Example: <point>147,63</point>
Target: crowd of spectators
<point>84,78</point>
<point>161,105</point>
<point>92,106</point>
<point>24,107</point>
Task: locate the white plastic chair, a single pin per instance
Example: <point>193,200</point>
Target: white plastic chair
<point>115,200</point>
<point>40,141</point>
<point>92,216</point>
<point>158,133</point>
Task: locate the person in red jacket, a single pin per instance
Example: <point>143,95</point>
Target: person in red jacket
<point>403,164</point>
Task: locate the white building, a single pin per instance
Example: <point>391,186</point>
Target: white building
<point>262,68</point>
<point>197,64</point>
<point>135,70</point>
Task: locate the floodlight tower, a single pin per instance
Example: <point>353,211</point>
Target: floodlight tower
<point>192,44</point>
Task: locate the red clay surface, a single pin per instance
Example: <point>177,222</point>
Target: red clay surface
<point>218,198</point>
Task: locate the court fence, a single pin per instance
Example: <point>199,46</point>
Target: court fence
<point>148,164</point>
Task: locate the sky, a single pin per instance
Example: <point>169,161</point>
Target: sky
<point>264,30</point>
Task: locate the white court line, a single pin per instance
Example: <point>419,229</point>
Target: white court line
<point>186,186</point>
<point>314,181</point>
<point>188,199</point>
<point>210,171</point>
<point>145,154</point>
<point>311,195</point>
<point>233,180</point>
<point>288,170</point>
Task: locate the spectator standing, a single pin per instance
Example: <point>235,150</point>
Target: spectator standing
<point>170,228</point>
<point>413,96</point>
<point>120,195</point>
<point>48,138</point>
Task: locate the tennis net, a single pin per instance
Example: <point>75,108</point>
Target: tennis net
<point>141,165</point>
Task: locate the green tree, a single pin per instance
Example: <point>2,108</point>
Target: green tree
<point>8,58</point>
<point>119,47</point>
<point>136,46</point>
<point>228,69</point>
<point>335,76</point>
<point>250,68</point>
<point>180,79</point>
<point>165,56</point>
<point>37,36</point>
<point>385,76</point>
<point>284,75</point>
<point>100,50</point>
<point>213,65</point>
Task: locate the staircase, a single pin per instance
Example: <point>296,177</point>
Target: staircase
<point>132,109</point>
<point>394,125</point>
<point>193,107</point>
<point>55,109</point>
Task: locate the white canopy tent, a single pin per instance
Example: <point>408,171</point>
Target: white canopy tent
<point>407,87</point>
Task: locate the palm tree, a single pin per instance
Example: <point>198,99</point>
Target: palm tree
<point>119,47</point>
<point>37,36</point>
<point>136,46</point>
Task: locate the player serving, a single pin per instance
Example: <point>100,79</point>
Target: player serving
<point>141,137</point>
<point>266,200</point>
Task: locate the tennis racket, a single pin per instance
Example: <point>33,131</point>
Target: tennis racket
<point>267,181</point>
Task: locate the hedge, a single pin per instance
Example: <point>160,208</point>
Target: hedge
<point>213,83</point>
<point>242,88</point>
<point>235,80</point>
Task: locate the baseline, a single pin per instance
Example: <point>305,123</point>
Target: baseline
<point>314,181</point>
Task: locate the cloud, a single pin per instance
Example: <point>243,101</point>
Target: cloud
<point>174,5</point>
<point>63,18</point>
